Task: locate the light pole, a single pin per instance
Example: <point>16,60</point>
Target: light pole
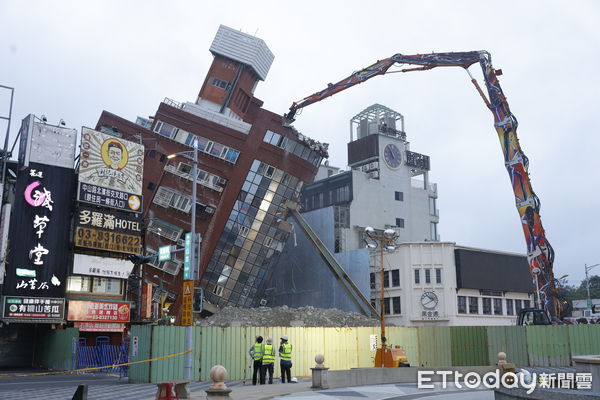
<point>187,362</point>
<point>387,240</point>
<point>587,284</point>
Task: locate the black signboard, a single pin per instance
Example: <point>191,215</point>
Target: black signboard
<point>33,308</point>
<point>112,198</point>
<point>39,234</point>
<point>108,230</point>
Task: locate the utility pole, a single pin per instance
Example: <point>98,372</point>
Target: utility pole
<point>188,284</point>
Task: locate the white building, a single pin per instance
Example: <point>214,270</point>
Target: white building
<point>387,187</point>
<point>428,283</point>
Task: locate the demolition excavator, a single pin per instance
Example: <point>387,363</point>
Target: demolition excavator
<point>539,252</point>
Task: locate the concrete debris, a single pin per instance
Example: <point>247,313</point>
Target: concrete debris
<point>285,316</point>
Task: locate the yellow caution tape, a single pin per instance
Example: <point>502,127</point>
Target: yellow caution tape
<point>96,368</point>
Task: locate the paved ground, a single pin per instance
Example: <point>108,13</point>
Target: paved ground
<point>107,387</point>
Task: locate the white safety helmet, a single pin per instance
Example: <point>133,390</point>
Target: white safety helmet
<point>294,379</point>
<point>284,337</point>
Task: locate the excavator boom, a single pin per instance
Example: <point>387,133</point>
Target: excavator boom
<point>540,254</point>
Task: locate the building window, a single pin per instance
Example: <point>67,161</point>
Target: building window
<point>396,305</point>
<point>487,305</point>
<point>396,277</point>
<point>498,307</point>
<point>373,284</point>
<point>434,233</point>
<point>473,305</point>
<point>168,266</point>
<point>427,275</point>
<point>417,276</point>
<point>518,306</point>
<point>399,196</point>
<point>526,303</point>
<point>509,307</point>
<point>462,305</point>
<point>164,229</point>
<point>106,286</point>
<point>386,279</point>
<point>386,305</point>
<point>166,130</point>
<point>219,83</point>
<point>79,283</point>
<point>432,208</point>
<point>438,275</point>
<point>400,222</point>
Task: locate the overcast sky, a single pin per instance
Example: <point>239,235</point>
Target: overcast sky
<point>73,59</point>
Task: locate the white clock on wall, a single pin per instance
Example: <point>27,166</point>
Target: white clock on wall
<point>429,300</point>
<point>392,156</point>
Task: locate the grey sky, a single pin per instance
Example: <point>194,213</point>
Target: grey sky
<point>72,60</point>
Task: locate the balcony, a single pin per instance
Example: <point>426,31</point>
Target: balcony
<point>210,115</point>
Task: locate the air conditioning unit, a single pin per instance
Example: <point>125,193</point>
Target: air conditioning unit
<point>218,290</point>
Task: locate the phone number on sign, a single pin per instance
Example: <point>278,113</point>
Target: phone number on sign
<point>95,239</point>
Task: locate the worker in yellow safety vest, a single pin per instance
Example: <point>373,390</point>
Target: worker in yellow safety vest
<point>285,356</point>
<point>256,353</point>
<point>268,362</point>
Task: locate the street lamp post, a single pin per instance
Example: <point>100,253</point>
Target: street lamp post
<point>587,284</point>
<point>194,265</point>
<point>387,240</point>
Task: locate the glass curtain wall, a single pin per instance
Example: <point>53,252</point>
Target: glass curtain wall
<point>252,240</point>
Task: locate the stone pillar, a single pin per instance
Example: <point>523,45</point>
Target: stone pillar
<point>319,374</point>
<point>218,390</point>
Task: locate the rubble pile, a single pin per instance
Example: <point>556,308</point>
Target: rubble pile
<point>286,316</point>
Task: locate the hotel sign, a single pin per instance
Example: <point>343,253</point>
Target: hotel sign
<point>106,230</point>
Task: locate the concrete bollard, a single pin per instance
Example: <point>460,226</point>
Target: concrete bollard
<point>218,390</point>
<point>319,374</point>
<point>505,367</point>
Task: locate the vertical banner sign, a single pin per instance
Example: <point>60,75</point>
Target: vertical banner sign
<point>110,171</point>
<point>187,252</point>
<point>39,234</point>
<point>186,313</point>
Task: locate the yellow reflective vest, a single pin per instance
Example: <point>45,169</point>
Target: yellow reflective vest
<point>286,354</point>
<point>269,354</point>
<point>258,351</point>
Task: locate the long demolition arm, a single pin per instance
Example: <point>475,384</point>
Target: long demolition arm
<point>539,252</point>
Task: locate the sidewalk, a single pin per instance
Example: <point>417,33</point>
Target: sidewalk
<point>251,392</point>
<point>302,391</point>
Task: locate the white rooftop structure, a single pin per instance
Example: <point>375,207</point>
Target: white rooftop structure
<point>244,48</point>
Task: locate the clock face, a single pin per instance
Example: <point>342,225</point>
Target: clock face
<point>429,300</point>
<point>392,156</point>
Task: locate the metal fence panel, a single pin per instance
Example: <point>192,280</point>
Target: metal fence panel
<point>434,346</point>
<point>548,346</point>
<point>584,339</point>
<point>55,349</point>
<point>469,345</point>
<point>510,339</point>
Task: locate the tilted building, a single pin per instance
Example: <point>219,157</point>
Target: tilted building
<point>249,165</point>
